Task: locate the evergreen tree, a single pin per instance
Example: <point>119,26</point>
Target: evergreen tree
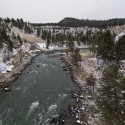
<point>4,35</point>
<point>38,32</point>
<point>106,46</point>
<point>10,45</point>
<point>48,42</point>
<point>91,81</point>
<point>76,57</point>
<point>7,20</point>
<point>19,39</point>
<point>44,35</point>
<point>120,49</point>
<point>0,41</point>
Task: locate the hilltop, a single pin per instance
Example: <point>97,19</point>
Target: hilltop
<point>73,22</point>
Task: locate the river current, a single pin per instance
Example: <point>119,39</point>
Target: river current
<point>40,93</point>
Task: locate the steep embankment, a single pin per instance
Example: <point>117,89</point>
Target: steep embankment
<point>14,58</point>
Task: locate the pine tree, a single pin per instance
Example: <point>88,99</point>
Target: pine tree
<point>38,32</point>
<point>19,39</point>
<point>76,57</point>
<point>48,42</point>
<point>10,45</point>
<point>0,41</point>
<point>120,49</point>
<point>106,46</point>
<point>4,35</point>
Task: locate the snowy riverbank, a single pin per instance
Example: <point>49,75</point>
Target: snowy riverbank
<point>86,100</point>
<point>16,64</point>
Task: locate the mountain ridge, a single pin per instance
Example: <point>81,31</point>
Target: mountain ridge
<point>74,22</point>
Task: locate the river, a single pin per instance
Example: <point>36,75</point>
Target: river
<point>40,93</point>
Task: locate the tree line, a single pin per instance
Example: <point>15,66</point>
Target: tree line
<point>72,22</point>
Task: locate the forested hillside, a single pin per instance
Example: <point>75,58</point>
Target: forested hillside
<point>73,22</point>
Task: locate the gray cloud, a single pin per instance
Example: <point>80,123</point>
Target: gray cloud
<point>54,10</point>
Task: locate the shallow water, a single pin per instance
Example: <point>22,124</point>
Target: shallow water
<point>40,93</point>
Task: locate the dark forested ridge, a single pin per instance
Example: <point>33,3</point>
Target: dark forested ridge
<point>73,22</point>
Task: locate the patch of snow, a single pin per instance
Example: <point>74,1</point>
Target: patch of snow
<point>78,121</point>
<point>42,45</point>
<point>7,65</point>
<point>120,35</point>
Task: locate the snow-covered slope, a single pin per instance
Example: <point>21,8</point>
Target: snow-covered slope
<point>119,35</point>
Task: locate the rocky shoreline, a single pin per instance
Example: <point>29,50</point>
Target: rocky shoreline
<point>83,111</point>
<point>72,115</point>
<point>80,112</point>
<point>9,77</point>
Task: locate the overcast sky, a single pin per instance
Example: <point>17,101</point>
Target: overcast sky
<point>43,11</point>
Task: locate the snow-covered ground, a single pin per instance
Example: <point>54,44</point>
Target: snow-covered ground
<point>51,47</point>
<point>20,56</point>
<point>29,37</point>
<point>119,35</point>
<point>87,66</point>
<point>6,64</point>
<point>5,67</point>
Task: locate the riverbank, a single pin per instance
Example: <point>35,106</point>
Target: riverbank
<point>41,93</point>
<point>11,76</point>
<point>86,100</point>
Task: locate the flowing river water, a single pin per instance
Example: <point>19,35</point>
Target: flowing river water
<point>40,93</point>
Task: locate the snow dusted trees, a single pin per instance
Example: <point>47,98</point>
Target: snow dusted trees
<point>38,32</point>
<point>108,49</point>
<point>91,80</point>
<point>120,49</point>
<point>44,34</point>
<point>111,95</point>
<point>48,42</point>
<point>10,45</point>
<point>0,41</point>
<point>76,57</point>
<point>4,38</point>
<point>106,46</point>
<point>19,39</point>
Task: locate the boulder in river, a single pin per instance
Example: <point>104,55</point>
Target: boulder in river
<point>7,89</point>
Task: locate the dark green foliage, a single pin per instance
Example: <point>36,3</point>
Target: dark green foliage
<point>44,35</point>
<point>4,35</point>
<point>70,42</point>
<point>72,22</point>
<point>120,49</point>
<point>106,46</point>
<point>14,22</point>
<point>76,57</point>
<point>7,20</point>
<point>5,39</point>
<point>110,88</point>
<point>110,73</point>
<point>0,41</point>
<point>10,45</point>
<point>110,95</point>
<point>122,83</point>
<point>25,41</point>
<point>48,42</point>
<point>27,28</point>
<point>19,39</point>
<point>38,32</point>
<point>20,23</point>
<point>90,80</point>
<point>70,45</point>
